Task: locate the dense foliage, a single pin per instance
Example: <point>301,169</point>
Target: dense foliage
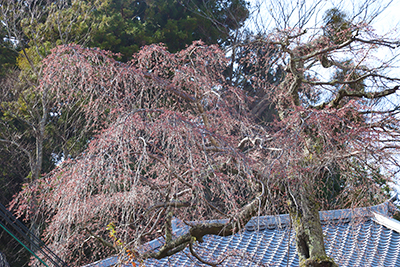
<point>126,26</point>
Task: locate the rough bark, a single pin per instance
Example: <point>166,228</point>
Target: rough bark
<point>309,235</point>
<point>304,208</point>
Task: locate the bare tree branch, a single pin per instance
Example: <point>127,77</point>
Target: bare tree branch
<point>347,93</point>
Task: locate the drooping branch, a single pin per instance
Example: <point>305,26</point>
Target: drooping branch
<point>150,184</point>
<point>202,260</point>
<point>172,172</point>
<point>19,146</point>
<point>173,204</point>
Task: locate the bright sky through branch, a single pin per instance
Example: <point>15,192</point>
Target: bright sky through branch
<point>266,14</point>
<point>262,12</point>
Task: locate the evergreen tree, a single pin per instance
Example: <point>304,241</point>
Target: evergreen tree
<point>125,26</point>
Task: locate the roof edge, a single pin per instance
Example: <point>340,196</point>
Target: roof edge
<point>386,221</point>
<point>329,216</point>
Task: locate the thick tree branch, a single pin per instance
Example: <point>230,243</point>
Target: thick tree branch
<point>335,82</point>
<point>206,121</point>
<point>101,240</point>
<point>169,87</point>
<point>389,44</point>
<point>168,225</point>
<point>199,230</point>
<point>326,50</point>
<point>344,93</point>
<point>359,79</point>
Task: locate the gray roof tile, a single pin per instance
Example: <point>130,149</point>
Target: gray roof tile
<point>353,237</point>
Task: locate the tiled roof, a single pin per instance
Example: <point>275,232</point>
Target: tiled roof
<point>353,237</point>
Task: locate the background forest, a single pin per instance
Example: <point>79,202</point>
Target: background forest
<point>250,115</point>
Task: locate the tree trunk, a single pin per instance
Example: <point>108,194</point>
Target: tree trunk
<point>40,137</point>
<point>304,211</point>
<point>309,235</point>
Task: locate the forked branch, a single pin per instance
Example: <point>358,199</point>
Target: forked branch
<point>199,230</point>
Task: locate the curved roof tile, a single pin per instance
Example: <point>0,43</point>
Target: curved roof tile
<point>353,237</point>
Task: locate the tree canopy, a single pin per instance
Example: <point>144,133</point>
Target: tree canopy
<point>30,29</point>
<point>37,131</point>
<point>175,138</point>
<point>186,132</point>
